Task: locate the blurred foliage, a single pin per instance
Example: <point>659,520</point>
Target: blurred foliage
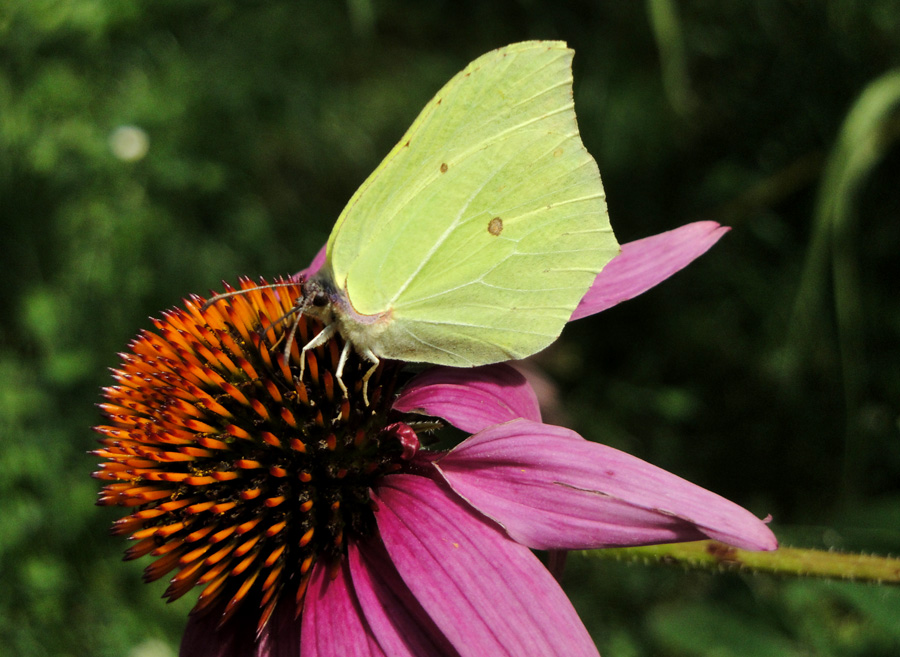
<point>149,150</point>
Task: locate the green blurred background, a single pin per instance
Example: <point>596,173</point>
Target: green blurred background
<point>151,149</point>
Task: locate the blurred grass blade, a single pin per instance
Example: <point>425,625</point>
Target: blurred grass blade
<point>863,139</point>
<point>859,147</point>
<point>667,30</point>
<point>362,16</point>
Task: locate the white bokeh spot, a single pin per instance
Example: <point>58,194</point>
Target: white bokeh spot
<point>129,143</point>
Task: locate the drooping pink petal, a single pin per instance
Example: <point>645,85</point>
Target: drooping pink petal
<point>471,399</point>
<point>645,263</point>
<point>313,268</point>
<point>488,594</point>
<point>203,638</point>
<point>237,638</point>
<point>332,621</point>
<point>397,619</point>
<point>552,489</point>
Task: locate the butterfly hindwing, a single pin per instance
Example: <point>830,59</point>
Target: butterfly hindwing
<point>483,228</point>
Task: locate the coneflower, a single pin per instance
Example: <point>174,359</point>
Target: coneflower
<point>313,524</point>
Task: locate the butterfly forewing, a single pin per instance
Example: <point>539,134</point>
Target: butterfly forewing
<point>486,224</point>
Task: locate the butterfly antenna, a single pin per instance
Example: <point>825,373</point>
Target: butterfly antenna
<point>226,295</point>
<point>303,302</point>
<point>290,339</point>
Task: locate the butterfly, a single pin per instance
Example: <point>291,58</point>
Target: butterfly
<point>476,237</point>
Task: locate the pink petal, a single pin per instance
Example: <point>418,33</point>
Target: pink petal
<point>237,638</point>
<point>397,619</point>
<point>647,262</point>
<point>281,637</point>
<point>332,621</point>
<point>313,268</point>
<point>552,489</point>
<point>203,638</point>
<point>489,595</point>
<point>470,399</point>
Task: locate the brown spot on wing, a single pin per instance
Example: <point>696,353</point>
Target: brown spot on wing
<point>495,226</point>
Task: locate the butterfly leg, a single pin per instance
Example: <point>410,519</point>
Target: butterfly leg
<point>370,356</point>
<point>321,338</point>
<point>339,372</point>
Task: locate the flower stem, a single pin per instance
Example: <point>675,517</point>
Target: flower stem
<point>712,555</point>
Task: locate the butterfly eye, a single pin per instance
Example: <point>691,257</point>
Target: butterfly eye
<point>320,300</point>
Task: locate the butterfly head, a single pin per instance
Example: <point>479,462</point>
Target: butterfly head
<point>317,299</point>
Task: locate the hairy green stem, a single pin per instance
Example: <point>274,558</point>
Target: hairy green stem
<point>712,555</point>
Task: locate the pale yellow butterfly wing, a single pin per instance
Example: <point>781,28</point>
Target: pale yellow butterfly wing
<point>479,233</point>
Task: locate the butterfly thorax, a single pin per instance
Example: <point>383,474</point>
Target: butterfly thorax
<point>332,305</point>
